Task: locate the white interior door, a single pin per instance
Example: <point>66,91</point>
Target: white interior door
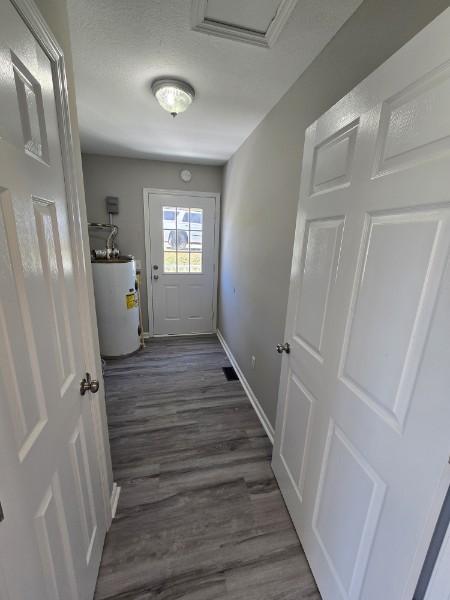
<point>362,436</point>
<point>52,534</point>
<point>182,267</point>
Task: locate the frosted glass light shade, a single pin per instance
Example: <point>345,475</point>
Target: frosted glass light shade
<point>173,95</point>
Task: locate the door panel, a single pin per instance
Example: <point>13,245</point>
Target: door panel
<point>397,295</point>
<point>83,483</point>
<point>172,302</point>
<point>194,302</point>
<point>52,535</point>
<point>321,254</point>
<point>183,253</point>
<point>54,545</point>
<point>333,160</point>
<point>403,141</point>
<point>296,432</point>
<point>28,410</point>
<point>363,408</point>
<point>53,272</point>
<point>345,536</point>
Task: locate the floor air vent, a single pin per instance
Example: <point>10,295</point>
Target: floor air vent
<point>230,373</point>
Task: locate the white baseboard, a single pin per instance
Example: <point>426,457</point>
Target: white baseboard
<point>115,499</point>
<point>248,390</point>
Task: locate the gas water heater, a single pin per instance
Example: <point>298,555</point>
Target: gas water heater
<point>116,293</point>
<point>117,306</point>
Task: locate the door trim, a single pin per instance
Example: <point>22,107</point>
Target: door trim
<point>77,223</point>
<point>148,192</point>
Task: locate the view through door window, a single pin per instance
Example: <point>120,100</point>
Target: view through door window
<point>182,239</point>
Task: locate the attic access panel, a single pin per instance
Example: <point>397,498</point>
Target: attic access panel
<point>257,22</point>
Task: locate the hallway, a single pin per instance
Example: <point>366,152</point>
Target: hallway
<point>200,515</point>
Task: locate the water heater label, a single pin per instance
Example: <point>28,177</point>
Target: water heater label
<point>131,300</point>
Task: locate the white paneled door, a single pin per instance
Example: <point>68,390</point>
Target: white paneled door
<point>181,262</point>
<point>53,529</point>
<point>363,426</point>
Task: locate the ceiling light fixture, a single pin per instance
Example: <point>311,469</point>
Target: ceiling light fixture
<point>173,95</point>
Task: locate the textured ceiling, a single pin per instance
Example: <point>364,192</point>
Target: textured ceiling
<point>120,46</point>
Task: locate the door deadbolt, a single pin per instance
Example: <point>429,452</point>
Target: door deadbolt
<point>89,385</point>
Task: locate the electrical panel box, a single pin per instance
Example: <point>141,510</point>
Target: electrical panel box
<point>112,205</point>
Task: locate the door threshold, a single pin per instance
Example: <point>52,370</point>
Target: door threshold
<point>167,335</point>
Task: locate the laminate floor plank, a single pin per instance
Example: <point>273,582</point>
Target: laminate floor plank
<point>200,515</point>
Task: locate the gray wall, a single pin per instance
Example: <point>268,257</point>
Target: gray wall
<point>261,186</point>
<point>126,178</point>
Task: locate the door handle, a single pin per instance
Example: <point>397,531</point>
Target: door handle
<point>89,385</point>
<point>284,348</point>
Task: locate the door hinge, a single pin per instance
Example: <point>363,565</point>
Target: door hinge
<point>2,516</point>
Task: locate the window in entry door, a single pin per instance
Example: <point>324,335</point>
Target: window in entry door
<point>182,239</point>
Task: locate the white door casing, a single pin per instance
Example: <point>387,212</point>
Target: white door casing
<point>362,434</point>
<point>182,230</point>
<point>439,584</point>
<point>51,489</point>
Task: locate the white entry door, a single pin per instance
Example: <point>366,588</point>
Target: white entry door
<point>52,533</point>
<point>363,426</point>
<point>181,269</point>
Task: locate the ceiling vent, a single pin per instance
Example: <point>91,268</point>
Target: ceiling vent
<point>257,22</point>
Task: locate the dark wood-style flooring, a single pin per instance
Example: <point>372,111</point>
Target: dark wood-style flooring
<point>200,515</point>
